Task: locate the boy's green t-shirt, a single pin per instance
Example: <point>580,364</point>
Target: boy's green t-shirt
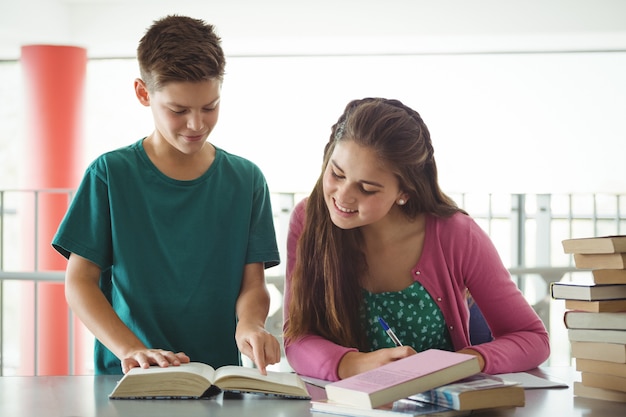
<point>172,252</point>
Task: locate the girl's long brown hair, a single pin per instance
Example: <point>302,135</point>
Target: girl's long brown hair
<point>326,295</point>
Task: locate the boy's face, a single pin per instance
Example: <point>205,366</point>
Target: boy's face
<point>184,113</point>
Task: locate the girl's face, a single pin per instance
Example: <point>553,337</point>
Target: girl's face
<point>359,190</point>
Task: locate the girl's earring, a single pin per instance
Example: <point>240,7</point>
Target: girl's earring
<point>401,202</point>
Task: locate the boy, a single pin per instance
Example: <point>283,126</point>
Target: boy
<point>167,239</point>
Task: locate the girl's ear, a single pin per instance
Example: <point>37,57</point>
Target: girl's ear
<point>402,199</point>
<point>141,91</point>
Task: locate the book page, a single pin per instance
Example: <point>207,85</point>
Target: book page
<point>223,374</point>
<point>530,381</point>
<point>478,382</point>
<point>244,378</point>
<point>201,369</point>
<point>185,380</point>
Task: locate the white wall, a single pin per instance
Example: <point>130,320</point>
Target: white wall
<point>527,123</point>
<point>111,28</point>
<point>521,121</point>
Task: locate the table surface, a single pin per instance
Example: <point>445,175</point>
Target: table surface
<point>86,396</point>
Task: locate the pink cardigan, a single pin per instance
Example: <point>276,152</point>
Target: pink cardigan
<point>457,255</point>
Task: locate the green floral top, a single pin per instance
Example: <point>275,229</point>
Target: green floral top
<point>413,316</point>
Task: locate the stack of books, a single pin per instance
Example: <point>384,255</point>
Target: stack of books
<point>432,382</point>
<point>595,316</point>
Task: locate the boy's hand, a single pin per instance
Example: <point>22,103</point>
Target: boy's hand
<point>147,357</point>
<point>258,344</point>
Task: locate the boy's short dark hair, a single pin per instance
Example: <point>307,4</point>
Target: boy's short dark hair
<point>180,48</point>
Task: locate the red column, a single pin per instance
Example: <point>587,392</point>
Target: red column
<point>54,78</point>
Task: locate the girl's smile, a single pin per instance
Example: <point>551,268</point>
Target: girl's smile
<point>359,190</point>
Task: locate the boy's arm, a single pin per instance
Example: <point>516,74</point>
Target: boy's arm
<point>87,301</point>
<point>253,304</point>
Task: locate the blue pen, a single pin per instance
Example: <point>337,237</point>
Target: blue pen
<point>389,332</point>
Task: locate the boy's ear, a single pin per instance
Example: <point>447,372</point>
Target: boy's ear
<point>141,91</point>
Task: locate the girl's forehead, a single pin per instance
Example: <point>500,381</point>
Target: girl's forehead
<point>360,161</point>
<point>364,155</point>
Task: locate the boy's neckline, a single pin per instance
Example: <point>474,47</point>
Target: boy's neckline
<point>180,169</point>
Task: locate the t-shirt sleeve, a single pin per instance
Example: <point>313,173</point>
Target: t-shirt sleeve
<point>262,243</point>
<point>86,227</point>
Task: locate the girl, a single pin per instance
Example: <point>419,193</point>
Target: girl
<point>378,238</point>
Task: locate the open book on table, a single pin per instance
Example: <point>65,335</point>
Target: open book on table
<point>197,380</point>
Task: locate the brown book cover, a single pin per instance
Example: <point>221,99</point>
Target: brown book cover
<point>601,367</point>
<point>609,276</point>
<point>611,382</point>
<point>596,306</point>
<point>600,244</point>
<point>600,260</point>
<point>611,352</point>
<point>584,391</point>
<point>476,392</point>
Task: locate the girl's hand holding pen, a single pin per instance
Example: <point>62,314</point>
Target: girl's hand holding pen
<point>354,363</point>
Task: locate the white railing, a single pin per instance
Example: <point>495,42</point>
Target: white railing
<point>529,226</point>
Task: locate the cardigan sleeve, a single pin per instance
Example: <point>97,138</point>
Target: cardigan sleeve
<point>310,355</point>
<point>521,341</point>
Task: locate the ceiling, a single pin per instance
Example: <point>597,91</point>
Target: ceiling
<point>111,28</point>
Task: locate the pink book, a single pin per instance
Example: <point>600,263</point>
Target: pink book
<point>396,380</point>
